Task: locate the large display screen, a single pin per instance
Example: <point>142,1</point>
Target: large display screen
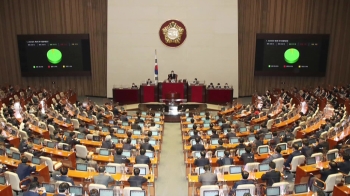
<point>54,55</point>
<point>291,54</point>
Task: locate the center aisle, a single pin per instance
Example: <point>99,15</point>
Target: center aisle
<point>171,176</point>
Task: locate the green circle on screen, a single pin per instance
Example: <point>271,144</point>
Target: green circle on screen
<point>291,55</point>
<point>54,56</point>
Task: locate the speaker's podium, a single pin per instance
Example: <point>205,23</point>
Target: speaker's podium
<point>172,102</point>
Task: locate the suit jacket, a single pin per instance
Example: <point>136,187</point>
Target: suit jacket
<point>107,144</point>
<point>142,159</point>
<point>135,126</point>
<point>225,125</point>
<point>247,158</point>
<point>306,151</point>
<point>121,159</point>
<point>208,178</point>
<point>272,157</point>
<point>197,147</point>
<point>225,161</point>
<point>214,136</point>
<point>65,179</point>
<point>172,76</point>
<point>22,147</point>
<point>271,177</point>
<point>243,181</point>
<point>324,146</point>
<point>326,172</point>
<point>136,181</point>
<point>230,134</point>
<point>344,167</point>
<point>127,146</point>
<point>24,170</point>
<point>30,193</point>
<point>290,158</point>
<point>147,146</point>
<point>200,162</point>
<point>103,179</point>
<point>193,137</point>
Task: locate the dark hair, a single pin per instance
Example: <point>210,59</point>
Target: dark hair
<point>220,141</point>
<point>203,153</point>
<point>274,133</point>
<point>71,134</point>
<point>278,149</point>
<point>211,125</point>
<point>245,174</point>
<point>197,139</point>
<point>305,142</point>
<point>214,131</point>
<point>149,134</point>
<point>142,151</point>
<point>272,165</point>
<point>192,120</point>
<point>33,185</point>
<point>153,124</point>
<point>146,139</point>
<point>24,159</point>
<point>128,140</point>
<point>333,165</point>
<point>63,187</point>
<point>136,171</point>
<point>227,153</point>
<point>129,134</point>
<point>101,169</point>
<point>248,149</point>
<point>346,157</point>
<point>296,146</point>
<point>64,171</point>
<point>194,127</point>
<point>94,192</point>
<point>119,151</point>
<point>241,140</point>
<point>195,132</point>
<point>206,167</point>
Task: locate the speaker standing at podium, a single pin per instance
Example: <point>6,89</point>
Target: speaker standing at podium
<point>172,77</point>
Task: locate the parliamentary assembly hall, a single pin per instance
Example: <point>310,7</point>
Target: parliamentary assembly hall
<point>174,97</point>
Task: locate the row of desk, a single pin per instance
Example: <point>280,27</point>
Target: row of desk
<point>153,93</point>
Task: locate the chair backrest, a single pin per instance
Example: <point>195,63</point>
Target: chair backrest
<point>269,123</point>
<point>13,149</point>
<point>81,151</point>
<point>319,155</point>
<point>226,168</point>
<point>126,191</point>
<point>296,161</point>
<point>13,179</point>
<point>251,188</point>
<point>89,136</point>
<point>140,166</point>
<point>299,141</point>
<point>209,188</point>
<point>332,180</point>
<point>279,164</point>
<point>284,186</point>
<point>332,151</point>
<point>96,186</point>
<point>75,123</point>
<point>51,128</point>
<point>94,118</point>
<point>23,134</point>
<point>28,155</point>
<point>48,161</point>
<point>119,168</point>
<point>251,166</point>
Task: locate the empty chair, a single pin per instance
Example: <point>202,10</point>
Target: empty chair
<point>270,123</point>
<point>209,188</point>
<point>51,129</point>
<point>226,168</point>
<point>279,164</point>
<point>119,168</point>
<point>251,188</point>
<point>13,149</point>
<point>82,152</point>
<point>319,155</point>
<point>251,166</point>
<point>52,165</point>
<point>284,187</point>
<point>94,118</point>
<point>75,123</point>
<point>23,134</point>
<point>126,191</point>
<point>28,155</point>
<point>16,184</point>
<point>96,186</point>
<point>296,161</point>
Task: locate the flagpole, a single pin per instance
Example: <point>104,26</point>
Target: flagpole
<point>155,67</point>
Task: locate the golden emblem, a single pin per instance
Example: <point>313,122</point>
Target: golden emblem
<point>172,33</point>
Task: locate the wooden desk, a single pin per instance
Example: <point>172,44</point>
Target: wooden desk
<point>14,141</point>
<point>38,131</point>
<point>310,130</point>
<point>285,123</point>
<point>156,147</point>
<point>239,116</point>
<point>42,171</point>
<point>303,172</point>
<point>258,120</point>
<point>64,125</point>
<point>340,137</point>
<point>5,190</point>
<point>341,190</point>
<point>86,119</point>
<point>231,110</point>
<point>67,158</point>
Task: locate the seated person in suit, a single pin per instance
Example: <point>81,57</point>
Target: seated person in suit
<point>94,192</point>
<point>230,134</point>
<point>197,146</point>
<point>195,134</point>
<point>276,155</point>
<point>23,146</point>
<point>259,140</point>
<point>119,158</point>
<point>195,81</point>
<point>241,143</point>
<point>133,86</point>
<point>210,86</point>
<point>307,149</point>
<point>322,145</point>
<point>226,125</point>
<point>208,178</point>
<point>108,143</point>
<point>215,135</point>
<point>218,85</point>
<point>220,146</point>
<point>332,169</point>
<point>63,176</point>
<point>226,86</point>
<point>244,180</point>
<point>263,129</point>
<point>23,170</point>
<point>200,162</point>
<point>153,127</point>
<point>27,130</point>
<point>136,180</point>
<point>33,190</point>
<point>142,158</point>
<point>146,145</point>
<point>172,76</point>
<point>100,115</point>
<point>247,157</point>
<point>226,160</point>
<point>271,176</point>
<point>290,157</point>
<point>344,167</point>
<point>128,145</point>
<point>135,125</point>
<point>103,178</point>
<point>275,139</point>
<point>149,82</point>
<point>289,136</point>
<point>63,189</point>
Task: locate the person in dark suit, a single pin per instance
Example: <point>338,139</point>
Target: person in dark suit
<point>259,140</point>
<point>24,170</point>
<point>263,129</point>
<point>344,167</point>
<point>197,146</point>
<point>142,158</point>
<point>102,177</point>
<point>230,134</point>
<point>290,157</point>
<point>127,145</point>
<point>247,157</point>
<point>275,139</point>
<point>100,115</point>
<point>226,125</point>
<point>195,135</point>
<point>333,169</point>
<point>71,139</point>
<point>289,135</point>
<point>241,143</point>
<point>63,176</point>
<point>244,180</point>
<point>271,176</point>
<point>306,150</point>
<point>108,143</point>
<point>23,146</point>
<point>227,160</point>
<point>27,130</point>
<point>135,125</point>
<point>146,145</point>
<point>220,146</point>
<point>276,155</point>
<point>136,180</point>
<point>94,192</point>
<point>208,178</point>
<point>200,162</point>
<point>119,158</point>
<point>214,135</point>
<point>172,76</point>
<point>115,111</point>
<point>33,190</point>
<point>63,189</point>
<point>322,145</point>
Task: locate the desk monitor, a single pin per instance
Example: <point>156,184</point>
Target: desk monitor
<point>300,188</point>
<point>2,151</point>
<point>197,154</point>
<point>156,119</point>
<point>51,144</point>
<point>125,123</point>
<point>37,141</point>
<point>241,192</point>
<point>202,114</point>
<point>77,190</point>
<point>82,166</point>
<point>214,141</point>
<point>190,125</point>
<point>111,122</point>
<point>282,146</point>
<point>312,141</point>
<point>115,140</point>
<point>300,144</point>
<point>105,129</point>
<point>347,179</point>
<point>203,118</point>
<point>150,154</point>
<point>272,191</point>
<point>141,125</point>
<point>240,151</point>
<point>256,127</point>
<point>36,160</point>
<point>268,136</point>
<point>110,169</point>
<point>234,140</point>
<point>206,125</point>
<point>220,153</point>
<point>157,125</point>
<point>8,151</point>
<point>106,192</point>
<point>330,156</point>
<point>143,113</point>
<point>67,134</point>
<point>152,141</point>
<point>216,117</point>
<point>137,193</point>
<point>96,138</point>
<point>50,188</point>
<point>2,180</point>
<point>91,127</point>
<point>277,121</point>
<point>191,132</point>
<point>188,119</point>
<point>81,136</point>
<point>126,153</point>
<point>210,132</point>
<point>225,130</point>
<point>220,123</point>
<point>155,133</point>
<point>235,169</point>
<point>136,132</point>
<point>104,152</point>
<point>242,129</point>
<point>66,147</point>
<point>157,114</point>
<point>311,161</point>
<point>187,114</point>
<point>133,141</point>
<point>120,131</point>
<point>263,150</point>
<point>211,193</point>
<point>251,138</point>
<point>142,171</point>
<point>264,167</point>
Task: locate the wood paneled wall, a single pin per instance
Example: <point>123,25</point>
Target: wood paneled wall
<point>255,16</point>
<point>54,17</point>
<point>293,16</point>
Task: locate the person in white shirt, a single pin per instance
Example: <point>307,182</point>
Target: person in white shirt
<point>153,127</point>
<point>304,106</point>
